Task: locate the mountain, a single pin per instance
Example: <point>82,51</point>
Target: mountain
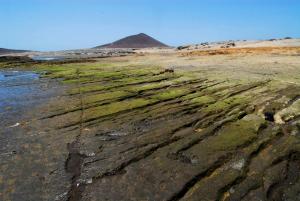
<point>135,41</point>
<point>9,51</point>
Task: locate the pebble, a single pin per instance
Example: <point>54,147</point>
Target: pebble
<point>15,125</point>
<point>89,181</point>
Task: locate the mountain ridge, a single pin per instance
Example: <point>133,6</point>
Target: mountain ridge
<point>9,51</point>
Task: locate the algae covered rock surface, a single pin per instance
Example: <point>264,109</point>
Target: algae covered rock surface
<point>214,128</point>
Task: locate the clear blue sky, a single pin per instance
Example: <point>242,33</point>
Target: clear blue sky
<point>68,24</point>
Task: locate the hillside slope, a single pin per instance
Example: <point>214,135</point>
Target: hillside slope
<point>135,41</point>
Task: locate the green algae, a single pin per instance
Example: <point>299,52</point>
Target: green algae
<point>146,78</point>
<point>206,93</point>
<point>85,89</point>
<point>156,85</point>
<point>79,80</point>
<point>146,87</point>
<point>105,96</point>
<point>203,100</point>
<point>192,96</point>
<point>115,107</point>
<point>171,94</point>
<point>4,65</point>
<point>227,103</point>
<point>116,76</point>
<point>123,84</point>
<point>238,133</point>
<point>229,137</point>
<point>102,74</point>
<point>178,80</point>
<point>185,78</point>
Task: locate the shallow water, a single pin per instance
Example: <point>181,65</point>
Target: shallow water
<point>45,58</point>
<point>13,76</point>
<point>16,88</point>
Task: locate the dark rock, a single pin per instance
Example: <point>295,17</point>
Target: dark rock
<point>183,47</point>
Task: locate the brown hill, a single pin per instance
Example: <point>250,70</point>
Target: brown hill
<point>135,41</point>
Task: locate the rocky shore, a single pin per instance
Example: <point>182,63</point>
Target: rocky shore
<point>177,125</point>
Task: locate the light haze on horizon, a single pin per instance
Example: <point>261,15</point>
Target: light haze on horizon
<point>65,24</point>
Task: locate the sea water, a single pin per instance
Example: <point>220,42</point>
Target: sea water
<point>16,87</point>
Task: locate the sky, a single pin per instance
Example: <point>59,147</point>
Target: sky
<point>70,24</point>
